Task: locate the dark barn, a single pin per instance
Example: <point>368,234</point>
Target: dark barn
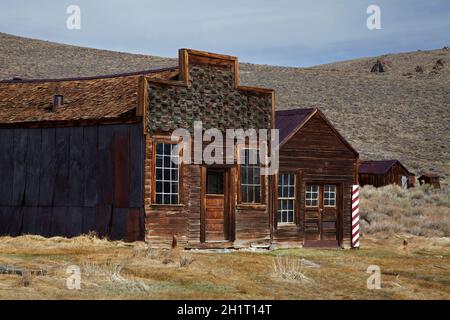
<point>384,172</point>
<point>430,178</point>
<point>318,168</point>
<point>72,165</point>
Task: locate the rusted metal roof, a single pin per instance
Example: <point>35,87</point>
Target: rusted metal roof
<point>90,98</point>
<point>377,166</point>
<point>286,121</point>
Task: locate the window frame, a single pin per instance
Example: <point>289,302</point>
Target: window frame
<point>166,140</point>
<point>262,182</point>
<point>335,196</point>
<point>293,199</point>
<point>318,195</point>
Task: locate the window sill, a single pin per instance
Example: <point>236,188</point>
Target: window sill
<point>168,207</point>
<point>286,225</point>
<point>252,206</point>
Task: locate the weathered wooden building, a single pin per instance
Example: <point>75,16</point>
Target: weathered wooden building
<point>215,205</point>
<point>94,154</point>
<point>313,196</point>
<point>430,178</point>
<point>71,156</point>
<point>384,172</point>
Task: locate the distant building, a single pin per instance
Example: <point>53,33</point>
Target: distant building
<point>385,172</point>
<point>430,178</point>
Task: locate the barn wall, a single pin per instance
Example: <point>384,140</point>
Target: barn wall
<point>392,176</point>
<point>376,180</point>
<point>318,153</point>
<point>69,181</point>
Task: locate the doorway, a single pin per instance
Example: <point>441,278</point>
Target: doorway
<point>322,214</point>
<point>215,222</point>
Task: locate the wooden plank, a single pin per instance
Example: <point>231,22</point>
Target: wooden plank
<point>59,222</point>
<point>136,167</point>
<point>33,166</point>
<point>47,173</point>
<point>76,177</point>
<point>44,216</point>
<point>6,166</point>
<point>121,167</point>
<point>90,172</point>
<point>135,226</point>
<point>30,220</point>
<point>119,224</point>
<point>19,182</point>
<point>61,191</point>
<point>74,221</point>
<point>88,220</point>
<point>10,221</point>
<point>105,164</point>
<point>103,216</point>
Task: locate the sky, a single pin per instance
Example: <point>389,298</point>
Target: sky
<point>276,32</point>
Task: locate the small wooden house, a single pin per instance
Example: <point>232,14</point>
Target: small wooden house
<point>95,154</point>
<point>430,178</point>
<point>313,190</point>
<point>384,172</point>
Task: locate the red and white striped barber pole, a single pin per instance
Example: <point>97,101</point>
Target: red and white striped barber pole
<point>355,216</point>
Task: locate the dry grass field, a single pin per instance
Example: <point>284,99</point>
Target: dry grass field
<point>115,270</point>
<point>403,113</point>
<point>420,211</point>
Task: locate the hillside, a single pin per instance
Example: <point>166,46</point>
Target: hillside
<point>402,113</point>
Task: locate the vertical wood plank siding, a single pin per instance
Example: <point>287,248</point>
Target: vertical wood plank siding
<point>317,154</point>
<point>69,181</point>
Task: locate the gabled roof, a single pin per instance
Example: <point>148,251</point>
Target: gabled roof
<point>378,166</point>
<point>289,122</point>
<point>286,121</point>
<point>89,98</point>
<point>428,175</point>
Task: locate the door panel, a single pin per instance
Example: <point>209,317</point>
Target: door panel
<point>321,212</point>
<point>312,212</point>
<point>215,211</point>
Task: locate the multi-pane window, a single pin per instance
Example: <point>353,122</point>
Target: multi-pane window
<point>166,174</point>
<point>329,195</point>
<point>286,198</point>
<point>312,195</point>
<point>214,182</point>
<point>250,176</point>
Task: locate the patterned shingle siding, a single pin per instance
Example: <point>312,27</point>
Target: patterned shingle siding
<point>212,98</point>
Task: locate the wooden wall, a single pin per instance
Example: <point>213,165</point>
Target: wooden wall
<point>317,154</point>
<point>207,90</point>
<point>183,221</point>
<point>69,181</point>
<point>393,176</point>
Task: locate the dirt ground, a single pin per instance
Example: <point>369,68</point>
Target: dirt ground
<point>116,270</point>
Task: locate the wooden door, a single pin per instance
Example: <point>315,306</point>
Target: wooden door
<point>321,214</point>
<point>216,212</point>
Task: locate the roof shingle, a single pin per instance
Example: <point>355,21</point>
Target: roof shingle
<point>92,98</point>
